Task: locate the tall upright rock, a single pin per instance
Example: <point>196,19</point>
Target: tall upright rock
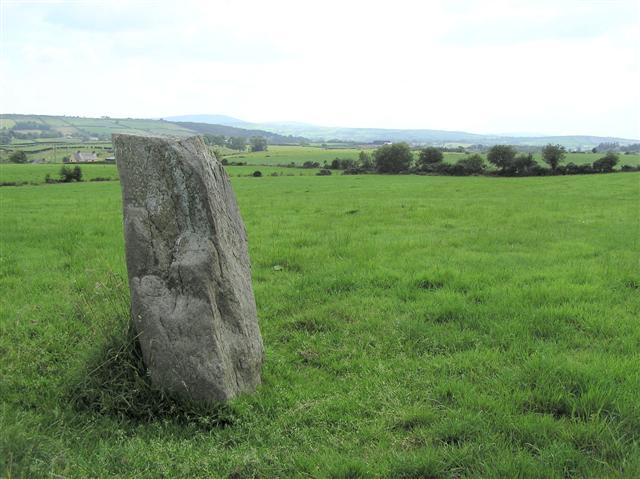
<point>192,301</point>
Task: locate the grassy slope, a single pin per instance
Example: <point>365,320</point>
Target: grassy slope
<point>73,125</point>
<point>419,327</point>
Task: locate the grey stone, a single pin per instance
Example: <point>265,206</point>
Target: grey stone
<point>192,301</point>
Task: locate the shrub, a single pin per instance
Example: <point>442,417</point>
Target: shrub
<point>522,165</point>
<point>430,155</point>
<point>435,168</point>
<point>474,165</point>
<point>393,158</point>
<point>18,157</point>
<point>342,164</point>
<point>256,174</point>
<point>606,163</point>
<point>573,169</point>
<point>323,172</point>
<point>311,164</point>
<point>68,174</point>
<point>354,171</point>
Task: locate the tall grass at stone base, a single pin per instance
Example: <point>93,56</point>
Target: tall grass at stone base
<point>113,380</point>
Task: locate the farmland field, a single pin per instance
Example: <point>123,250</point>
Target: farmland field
<point>414,327</point>
<point>277,154</point>
<point>35,173</point>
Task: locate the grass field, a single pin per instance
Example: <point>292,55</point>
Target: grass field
<point>35,173</point>
<point>277,154</point>
<point>283,155</point>
<point>414,327</point>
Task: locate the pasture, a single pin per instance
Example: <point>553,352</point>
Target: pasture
<point>275,155</point>
<point>35,173</point>
<point>414,327</point>
<point>278,154</point>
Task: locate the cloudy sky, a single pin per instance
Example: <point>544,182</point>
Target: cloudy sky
<point>539,66</point>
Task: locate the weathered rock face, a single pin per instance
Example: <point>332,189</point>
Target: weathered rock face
<point>189,272</point>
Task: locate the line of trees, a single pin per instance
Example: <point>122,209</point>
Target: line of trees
<point>507,161</point>
<point>238,143</point>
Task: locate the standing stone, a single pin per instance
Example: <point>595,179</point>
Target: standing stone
<point>189,273</point>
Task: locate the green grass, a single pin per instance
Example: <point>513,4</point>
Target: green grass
<point>35,173</point>
<point>299,154</point>
<point>283,155</point>
<point>275,155</point>
<point>414,327</point>
<point>272,170</point>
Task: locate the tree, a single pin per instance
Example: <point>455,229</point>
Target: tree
<point>606,163</point>
<point>364,159</point>
<point>430,156</point>
<point>553,155</point>
<point>237,143</point>
<point>77,173</point>
<point>501,155</point>
<point>18,157</point>
<point>258,143</point>
<point>5,137</point>
<point>215,140</point>
<point>393,158</point>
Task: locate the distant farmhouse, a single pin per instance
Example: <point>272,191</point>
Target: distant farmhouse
<point>83,157</point>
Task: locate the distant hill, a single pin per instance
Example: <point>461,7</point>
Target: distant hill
<point>436,137</point>
<point>52,128</point>
<point>212,119</point>
<point>206,128</point>
<point>63,128</point>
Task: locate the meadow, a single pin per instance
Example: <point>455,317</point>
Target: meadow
<point>277,154</point>
<point>35,173</point>
<point>280,154</point>
<point>414,327</point>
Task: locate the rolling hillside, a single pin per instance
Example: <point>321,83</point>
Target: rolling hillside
<point>70,128</point>
<point>437,137</point>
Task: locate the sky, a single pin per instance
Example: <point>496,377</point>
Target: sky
<point>557,67</point>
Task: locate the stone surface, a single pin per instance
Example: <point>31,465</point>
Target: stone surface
<point>189,273</point>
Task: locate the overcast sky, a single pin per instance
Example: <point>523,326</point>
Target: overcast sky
<point>551,67</point>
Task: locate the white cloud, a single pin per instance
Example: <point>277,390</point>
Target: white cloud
<point>551,67</point>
